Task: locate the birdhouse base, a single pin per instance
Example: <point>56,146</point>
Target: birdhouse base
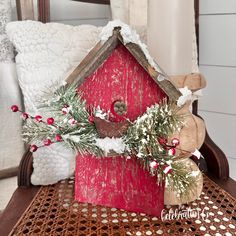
<point>119,183</point>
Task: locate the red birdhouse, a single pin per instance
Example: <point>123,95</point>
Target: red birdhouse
<point>117,71</point>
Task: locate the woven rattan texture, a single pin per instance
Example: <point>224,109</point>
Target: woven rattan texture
<point>55,212</point>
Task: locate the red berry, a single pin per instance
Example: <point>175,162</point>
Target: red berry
<point>91,119</point>
<point>72,121</point>
<point>50,121</point>
<point>14,108</point>
<point>25,116</point>
<point>33,148</point>
<point>167,169</point>
<point>38,118</point>
<point>47,142</point>
<point>171,152</point>
<point>175,142</point>
<point>154,165</point>
<point>65,110</point>
<point>58,137</point>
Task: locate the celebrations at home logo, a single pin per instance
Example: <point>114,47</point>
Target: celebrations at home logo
<point>184,213</point>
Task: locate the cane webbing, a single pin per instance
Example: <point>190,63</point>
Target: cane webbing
<point>55,212</point>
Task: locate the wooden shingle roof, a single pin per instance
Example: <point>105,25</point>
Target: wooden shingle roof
<point>103,50</point>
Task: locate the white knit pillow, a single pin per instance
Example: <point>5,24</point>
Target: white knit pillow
<point>52,163</point>
<point>46,54</point>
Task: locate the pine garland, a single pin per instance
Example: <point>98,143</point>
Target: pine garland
<point>72,122</point>
<point>146,138</point>
<point>180,180</point>
<point>158,123</point>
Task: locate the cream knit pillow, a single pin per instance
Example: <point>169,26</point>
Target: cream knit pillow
<point>46,53</point>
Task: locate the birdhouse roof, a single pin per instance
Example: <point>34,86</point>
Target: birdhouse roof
<point>112,35</point>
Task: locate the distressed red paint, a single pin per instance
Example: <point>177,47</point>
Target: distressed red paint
<point>117,182</point>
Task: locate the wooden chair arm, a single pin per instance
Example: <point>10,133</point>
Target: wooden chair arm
<point>217,163</point>
<point>9,172</point>
<point>216,160</point>
<point>25,169</point>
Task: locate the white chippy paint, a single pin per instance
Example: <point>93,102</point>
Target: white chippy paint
<point>100,113</point>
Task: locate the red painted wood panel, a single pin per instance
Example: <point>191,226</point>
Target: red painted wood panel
<point>117,182</point>
<point>121,77</point>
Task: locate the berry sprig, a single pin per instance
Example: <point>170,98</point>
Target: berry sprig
<point>24,116</point>
<point>171,150</point>
<point>38,118</point>
<point>46,142</point>
<point>173,147</point>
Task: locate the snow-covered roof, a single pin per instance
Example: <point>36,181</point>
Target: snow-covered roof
<point>112,34</point>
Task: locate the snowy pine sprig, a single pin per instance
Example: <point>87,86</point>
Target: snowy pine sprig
<point>71,121</point>
<point>159,122</point>
<point>180,180</point>
<point>147,140</point>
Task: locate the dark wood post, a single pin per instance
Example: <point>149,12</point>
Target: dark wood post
<point>44,10</point>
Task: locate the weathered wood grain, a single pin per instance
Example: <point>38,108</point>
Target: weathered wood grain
<point>101,52</point>
<point>121,78</point>
<point>166,85</point>
<point>114,181</point>
<point>117,182</point>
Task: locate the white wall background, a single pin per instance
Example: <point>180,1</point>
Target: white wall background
<point>218,63</point>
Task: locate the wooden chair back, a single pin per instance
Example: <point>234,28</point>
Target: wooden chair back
<point>26,9</point>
